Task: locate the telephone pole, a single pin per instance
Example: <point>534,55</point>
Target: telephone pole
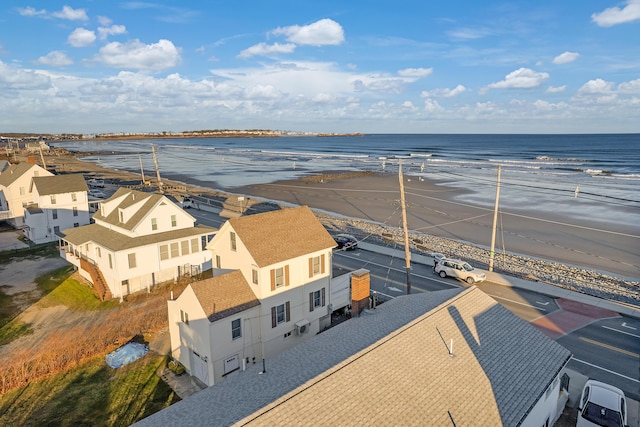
<point>155,162</point>
<point>407,252</point>
<point>495,220</point>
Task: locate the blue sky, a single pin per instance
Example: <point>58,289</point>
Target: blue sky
<point>545,66</point>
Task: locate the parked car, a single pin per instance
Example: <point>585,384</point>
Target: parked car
<point>346,241</point>
<point>459,269</point>
<point>602,404</point>
<point>97,194</point>
<point>95,182</point>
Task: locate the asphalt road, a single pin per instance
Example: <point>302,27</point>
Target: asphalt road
<point>607,350</point>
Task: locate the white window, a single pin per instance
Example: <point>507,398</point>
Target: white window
<point>56,229</point>
<point>164,252</point>
<point>279,277</point>
<point>75,211</point>
<point>76,224</point>
<point>54,213</point>
<point>194,245</point>
<point>236,329</point>
<point>316,299</point>
<point>174,222</point>
<point>184,317</point>
<point>154,224</point>
<point>53,199</point>
<point>185,247</point>
<point>232,236</point>
<point>74,198</point>
<point>280,314</point>
<point>218,262</point>
<point>254,275</point>
<point>175,250</point>
<point>22,191</point>
<point>132,260</point>
<point>110,262</point>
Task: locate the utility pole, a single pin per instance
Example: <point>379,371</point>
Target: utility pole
<point>155,161</point>
<point>407,252</point>
<point>495,220</point>
<point>141,170</point>
<point>44,165</point>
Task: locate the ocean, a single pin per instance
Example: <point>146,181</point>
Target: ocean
<point>592,177</point>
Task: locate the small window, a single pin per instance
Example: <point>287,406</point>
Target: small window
<point>175,250</point>
<point>185,247</point>
<point>194,245</point>
<point>154,224</point>
<point>110,262</point>
<point>132,260</point>
<point>279,277</point>
<point>254,276</point>
<point>54,213</point>
<point>56,229</point>
<point>232,236</point>
<point>22,192</point>
<point>76,224</point>
<point>74,197</point>
<point>164,252</point>
<point>121,216</point>
<point>174,221</point>
<point>98,252</point>
<point>316,299</point>
<point>218,262</point>
<point>75,211</point>
<point>236,329</point>
<point>184,317</point>
<point>53,199</point>
<point>280,314</point>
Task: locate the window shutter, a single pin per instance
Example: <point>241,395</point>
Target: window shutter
<point>322,263</point>
<point>288,311</point>
<point>273,279</point>
<point>310,301</point>
<point>274,321</point>
<point>286,275</point>
<point>322,296</point>
<point>311,267</point>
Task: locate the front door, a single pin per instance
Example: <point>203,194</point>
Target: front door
<point>200,367</point>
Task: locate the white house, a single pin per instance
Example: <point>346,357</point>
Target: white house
<point>15,183</point>
<point>137,240</point>
<point>443,358</point>
<point>284,259</point>
<point>60,202</point>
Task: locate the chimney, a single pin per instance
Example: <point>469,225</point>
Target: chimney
<point>360,288</point>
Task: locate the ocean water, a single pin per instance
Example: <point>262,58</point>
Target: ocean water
<point>593,177</point>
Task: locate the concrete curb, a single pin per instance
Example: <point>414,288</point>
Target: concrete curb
<point>501,279</point>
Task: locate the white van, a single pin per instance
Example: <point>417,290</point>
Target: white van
<point>95,182</point>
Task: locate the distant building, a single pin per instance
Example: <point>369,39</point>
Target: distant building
<point>59,202</point>
<point>15,191</point>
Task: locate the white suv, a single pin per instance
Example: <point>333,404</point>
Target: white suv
<point>460,269</point>
<point>601,405</point>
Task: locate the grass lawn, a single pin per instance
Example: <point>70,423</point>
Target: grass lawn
<point>70,292</point>
<point>92,394</point>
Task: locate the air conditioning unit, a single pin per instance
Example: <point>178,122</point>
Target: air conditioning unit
<point>302,327</point>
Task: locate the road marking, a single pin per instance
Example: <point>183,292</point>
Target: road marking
<point>624,325</point>
<point>391,288</point>
<point>606,370</point>
<point>542,303</point>
<point>516,302</point>
<point>622,332</point>
<point>610,347</point>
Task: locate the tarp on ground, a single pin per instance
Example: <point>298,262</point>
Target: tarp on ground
<point>126,354</point>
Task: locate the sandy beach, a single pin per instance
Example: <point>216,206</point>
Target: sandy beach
<point>432,208</point>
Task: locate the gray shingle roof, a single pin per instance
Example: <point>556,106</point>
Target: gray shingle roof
<point>224,295</point>
<point>59,184</point>
<point>13,172</point>
<point>392,367</point>
<point>276,236</point>
<point>116,242</point>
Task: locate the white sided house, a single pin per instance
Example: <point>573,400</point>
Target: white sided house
<point>60,202</point>
<point>284,259</point>
<point>15,184</point>
<point>137,240</point>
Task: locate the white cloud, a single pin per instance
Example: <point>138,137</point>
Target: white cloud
<point>81,37</point>
<point>104,21</point>
<point>443,92</point>
<point>137,55</point>
<point>264,49</point>
<point>431,105</point>
<point>566,57</point>
<point>522,78</point>
<point>556,89</point>
<point>614,15</point>
<point>408,105</point>
<point>597,86</point>
<point>320,33</point>
<point>112,30</point>
<point>12,79</point>
<point>71,14</point>
<point>415,72</point>
<point>631,87</point>
<point>30,11</point>
<point>55,58</point>
<point>469,33</point>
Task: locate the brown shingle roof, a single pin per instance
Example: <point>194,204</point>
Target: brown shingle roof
<point>13,172</point>
<point>276,236</point>
<point>58,184</point>
<point>224,295</point>
<point>131,197</point>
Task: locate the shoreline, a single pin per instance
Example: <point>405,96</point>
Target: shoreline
<point>367,204</point>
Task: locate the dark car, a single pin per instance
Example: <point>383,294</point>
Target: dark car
<point>346,241</point>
